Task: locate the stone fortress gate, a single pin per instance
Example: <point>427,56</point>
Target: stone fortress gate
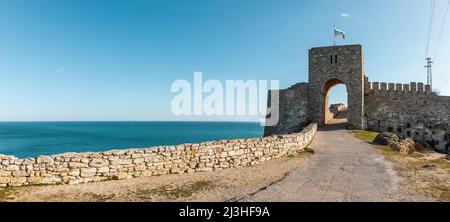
<point>410,110</point>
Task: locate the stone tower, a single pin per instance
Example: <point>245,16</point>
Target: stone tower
<point>308,102</point>
<point>329,66</point>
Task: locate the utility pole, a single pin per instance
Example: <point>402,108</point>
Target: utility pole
<point>429,73</point>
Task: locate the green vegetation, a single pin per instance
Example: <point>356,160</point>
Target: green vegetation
<point>305,151</point>
<point>367,136</point>
<point>308,150</point>
<point>113,178</point>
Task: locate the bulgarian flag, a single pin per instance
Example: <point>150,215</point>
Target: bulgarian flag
<point>338,32</point>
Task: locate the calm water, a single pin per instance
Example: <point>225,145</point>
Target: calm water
<point>31,139</point>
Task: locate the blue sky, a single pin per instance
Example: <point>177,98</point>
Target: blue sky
<point>116,60</point>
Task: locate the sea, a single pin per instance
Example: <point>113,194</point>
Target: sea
<point>33,139</point>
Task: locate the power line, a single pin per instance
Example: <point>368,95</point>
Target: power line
<point>442,29</point>
<point>433,3</point>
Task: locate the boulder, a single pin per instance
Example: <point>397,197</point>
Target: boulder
<point>386,138</point>
<point>407,146</point>
<point>404,146</point>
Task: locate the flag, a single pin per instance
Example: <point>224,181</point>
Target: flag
<point>338,32</point>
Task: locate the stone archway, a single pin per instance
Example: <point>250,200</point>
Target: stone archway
<point>328,116</point>
<point>333,65</point>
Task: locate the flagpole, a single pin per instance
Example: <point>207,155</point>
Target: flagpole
<point>334,35</point>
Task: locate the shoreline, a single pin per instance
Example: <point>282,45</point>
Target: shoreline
<point>76,168</point>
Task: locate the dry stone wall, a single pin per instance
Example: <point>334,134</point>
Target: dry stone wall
<point>75,168</point>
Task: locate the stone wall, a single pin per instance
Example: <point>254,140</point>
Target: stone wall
<point>410,110</point>
<point>334,110</point>
<point>75,168</point>
<point>293,110</point>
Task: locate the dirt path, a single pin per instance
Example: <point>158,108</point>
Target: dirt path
<point>343,168</point>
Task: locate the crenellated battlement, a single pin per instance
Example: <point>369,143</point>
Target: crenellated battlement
<point>413,87</point>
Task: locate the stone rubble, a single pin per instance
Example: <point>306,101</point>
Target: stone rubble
<point>404,146</point>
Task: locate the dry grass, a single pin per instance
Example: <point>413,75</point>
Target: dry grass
<point>427,176</point>
<point>174,192</point>
<point>367,136</point>
<point>424,172</point>
<point>5,194</point>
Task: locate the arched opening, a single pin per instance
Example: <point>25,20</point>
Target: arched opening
<point>336,102</point>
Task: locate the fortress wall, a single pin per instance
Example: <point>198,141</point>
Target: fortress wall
<point>76,168</point>
<point>293,110</point>
<point>334,110</point>
<point>410,110</point>
<point>397,87</point>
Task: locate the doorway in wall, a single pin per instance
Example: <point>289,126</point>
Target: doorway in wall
<point>336,102</point>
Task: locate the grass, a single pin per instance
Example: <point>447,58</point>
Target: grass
<point>367,136</point>
<point>102,197</point>
<point>305,151</point>
<point>444,195</point>
<point>432,181</point>
<point>5,194</point>
<point>308,150</point>
<point>176,192</point>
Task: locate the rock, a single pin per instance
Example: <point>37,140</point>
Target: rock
<point>51,180</point>
<point>121,176</point>
<point>34,180</point>
<point>12,168</point>
<point>97,163</point>
<point>407,146</point>
<point>139,160</point>
<point>18,180</point>
<point>121,162</point>
<point>175,170</point>
<point>78,165</point>
<point>103,170</point>
<point>428,166</point>
<point>5,157</point>
<point>386,138</point>
<point>74,172</point>
<point>44,159</point>
<point>5,180</point>
<point>88,172</point>
<point>29,161</point>
<point>19,174</point>
<point>404,146</point>
<point>5,173</point>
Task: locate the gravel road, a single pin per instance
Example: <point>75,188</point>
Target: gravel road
<point>343,168</point>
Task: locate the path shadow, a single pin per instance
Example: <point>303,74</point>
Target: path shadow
<point>340,122</point>
<point>334,127</point>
